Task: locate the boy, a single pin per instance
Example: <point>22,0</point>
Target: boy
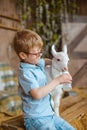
<point>34,88</point>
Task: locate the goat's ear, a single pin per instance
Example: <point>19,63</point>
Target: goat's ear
<point>54,53</point>
<point>64,48</point>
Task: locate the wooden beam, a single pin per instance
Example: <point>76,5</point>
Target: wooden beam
<point>77,40</point>
<point>10,17</point>
<point>79,74</point>
<point>75,111</point>
<point>78,55</point>
<point>8,28</point>
<point>68,102</point>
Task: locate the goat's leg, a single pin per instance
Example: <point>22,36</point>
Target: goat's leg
<point>57,103</point>
<point>56,109</point>
<point>57,98</point>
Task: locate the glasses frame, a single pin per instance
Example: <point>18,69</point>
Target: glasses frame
<point>36,54</point>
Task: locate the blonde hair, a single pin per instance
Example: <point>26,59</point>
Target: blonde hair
<point>25,40</point>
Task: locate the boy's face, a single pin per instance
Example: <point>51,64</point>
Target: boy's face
<point>33,56</point>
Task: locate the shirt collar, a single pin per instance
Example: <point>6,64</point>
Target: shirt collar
<point>27,65</point>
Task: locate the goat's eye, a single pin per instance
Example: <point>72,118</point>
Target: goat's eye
<point>58,59</point>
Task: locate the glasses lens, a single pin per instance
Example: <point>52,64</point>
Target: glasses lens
<point>38,53</point>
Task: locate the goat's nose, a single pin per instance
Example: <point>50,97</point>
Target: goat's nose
<point>58,59</point>
<point>65,69</point>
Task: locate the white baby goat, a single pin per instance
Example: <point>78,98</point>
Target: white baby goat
<point>59,63</point>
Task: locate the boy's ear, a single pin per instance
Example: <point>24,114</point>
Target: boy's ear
<point>22,55</point>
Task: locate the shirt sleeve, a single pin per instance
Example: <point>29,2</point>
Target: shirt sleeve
<point>42,63</point>
<point>28,81</point>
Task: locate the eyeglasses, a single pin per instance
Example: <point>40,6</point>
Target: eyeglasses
<point>36,54</point>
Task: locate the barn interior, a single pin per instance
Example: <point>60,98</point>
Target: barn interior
<point>57,22</point>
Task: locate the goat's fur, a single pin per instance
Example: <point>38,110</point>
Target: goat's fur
<point>59,63</point>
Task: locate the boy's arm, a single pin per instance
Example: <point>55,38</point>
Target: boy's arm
<point>39,93</point>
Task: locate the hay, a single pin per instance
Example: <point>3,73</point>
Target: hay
<point>10,106</point>
<point>80,122</point>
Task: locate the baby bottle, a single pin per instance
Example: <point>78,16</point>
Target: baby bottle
<point>67,87</point>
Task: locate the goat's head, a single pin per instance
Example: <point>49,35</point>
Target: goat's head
<point>60,59</point>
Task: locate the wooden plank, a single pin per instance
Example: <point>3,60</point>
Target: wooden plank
<point>74,111</point>
<point>76,106</point>
<point>79,55</point>
<point>8,28</point>
<point>79,74</point>
<point>76,41</point>
<point>10,17</point>
<point>11,128</point>
<point>68,102</point>
<point>15,123</point>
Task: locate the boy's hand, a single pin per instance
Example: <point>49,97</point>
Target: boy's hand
<point>65,78</point>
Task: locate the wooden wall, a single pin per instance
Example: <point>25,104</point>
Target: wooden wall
<point>76,33</point>
<point>83,6</point>
<point>9,24</point>
<point>75,36</point>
